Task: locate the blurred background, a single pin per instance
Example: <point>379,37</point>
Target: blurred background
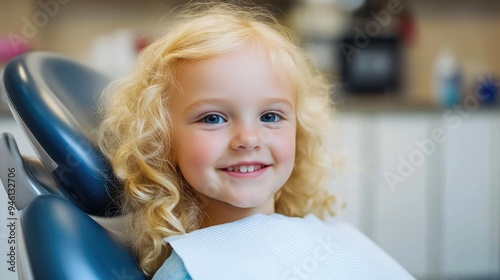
<point>416,85</point>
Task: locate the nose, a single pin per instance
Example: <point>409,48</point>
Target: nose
<point>246,138</point>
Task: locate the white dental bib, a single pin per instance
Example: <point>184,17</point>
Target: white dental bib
<point>280,247</point>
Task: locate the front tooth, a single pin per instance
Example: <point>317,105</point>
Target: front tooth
<point>251,168</point>
<point>243,169</point>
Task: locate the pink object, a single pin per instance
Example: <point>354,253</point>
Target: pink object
<point>9,51</point>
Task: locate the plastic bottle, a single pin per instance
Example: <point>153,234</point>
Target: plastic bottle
<point>447,79</point>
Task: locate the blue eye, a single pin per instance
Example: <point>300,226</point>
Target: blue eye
<point>212,119</point>
<point>270,117</point>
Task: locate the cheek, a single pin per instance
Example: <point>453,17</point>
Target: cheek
<point>284,147</point>
<point>197,152</point>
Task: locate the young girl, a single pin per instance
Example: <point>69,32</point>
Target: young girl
<point>218,138</point>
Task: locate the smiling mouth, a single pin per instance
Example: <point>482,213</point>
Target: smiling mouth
<point>245,168</point>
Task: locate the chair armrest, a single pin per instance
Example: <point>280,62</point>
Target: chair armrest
<point>23,179</point>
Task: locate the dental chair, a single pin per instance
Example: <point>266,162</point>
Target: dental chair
<point>66,195</point>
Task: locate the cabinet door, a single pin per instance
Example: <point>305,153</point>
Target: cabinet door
<point>348,143</point>
<point>398,188</point>
<point>470,223</point>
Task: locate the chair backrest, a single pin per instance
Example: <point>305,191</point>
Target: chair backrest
<point>54,99</point>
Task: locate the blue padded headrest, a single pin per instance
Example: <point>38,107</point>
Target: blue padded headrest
<point>55,98</point>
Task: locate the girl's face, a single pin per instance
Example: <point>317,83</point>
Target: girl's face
<point>234,133</point>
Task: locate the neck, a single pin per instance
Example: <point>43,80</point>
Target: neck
<point>217,212</point>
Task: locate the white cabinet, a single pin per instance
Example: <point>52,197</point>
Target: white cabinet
<point>470,222</point>
<point>428,190</point>
<point>400,194</point>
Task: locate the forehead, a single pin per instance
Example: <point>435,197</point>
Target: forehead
<point>248,71</point>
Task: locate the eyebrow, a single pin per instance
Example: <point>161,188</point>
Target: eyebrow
<point>218,101</point>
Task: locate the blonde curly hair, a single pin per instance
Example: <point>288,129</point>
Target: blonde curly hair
<point>135,133</point>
